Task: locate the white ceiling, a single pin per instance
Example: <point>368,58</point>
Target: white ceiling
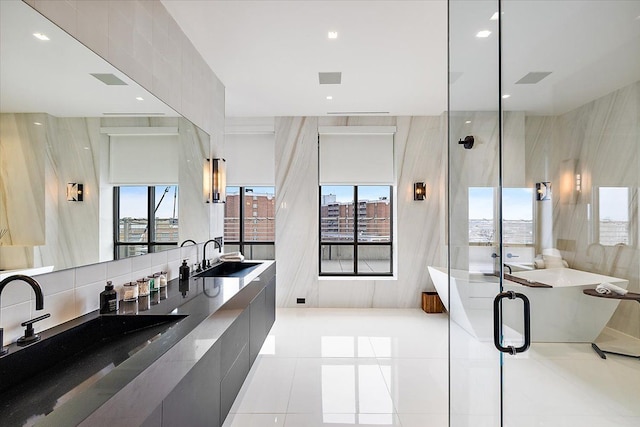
<point>393,54</point>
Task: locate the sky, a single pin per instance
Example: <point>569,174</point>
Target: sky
<point>517,203</point>
<point>344,193</point>
<point>614,203</point>
<point>133,202</point>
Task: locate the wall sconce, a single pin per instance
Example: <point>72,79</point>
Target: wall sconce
<point>219,174</point>
<point>75,192</point>
<point>206,180</point>
<point>543,191</point>
<point>578,182</point>
<point>419,191</point>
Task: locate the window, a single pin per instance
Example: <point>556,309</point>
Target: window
<point>517,216</point>
<point>255,234</point>
<point>613,215</point>
<point>133,206</point>
<point>356,238</point>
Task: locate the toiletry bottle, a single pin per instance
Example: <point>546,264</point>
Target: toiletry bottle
<point>184,271</point>
<point>108,300</point>
<point>163,279</point>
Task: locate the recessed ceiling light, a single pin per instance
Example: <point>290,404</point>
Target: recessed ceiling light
<point>467,122</point>
<point>505,96</point>
<point>139,98</point>
<point>333,34</point>
<point>483,34</point>
<point>329,97</point>
<point>41,36</point>
<point>86,148</point>
<point>37,123</point>
<point>494,17</point>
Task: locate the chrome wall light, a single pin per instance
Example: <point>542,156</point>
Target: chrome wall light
<point>75,192</point>
<point>543,190</point>
<point>419,191</point>
<point>219,177</point>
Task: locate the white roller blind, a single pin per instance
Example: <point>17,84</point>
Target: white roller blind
<point>351,155</point>
<point>143,159</point>
<point>250,159</point>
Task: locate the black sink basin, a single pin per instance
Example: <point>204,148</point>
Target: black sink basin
<point>49,371</point>
<point>229,269</point>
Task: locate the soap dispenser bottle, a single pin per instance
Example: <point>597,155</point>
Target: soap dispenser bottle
<point>184,271</point>
<point>108,299</point>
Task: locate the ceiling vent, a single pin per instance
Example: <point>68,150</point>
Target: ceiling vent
<point>533,77</point>
<point>109,79</point>
<point>330,78</point>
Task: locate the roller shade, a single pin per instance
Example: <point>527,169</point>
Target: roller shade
<point>143,159</point>
<point>351,155</point>
<point>250,159</point>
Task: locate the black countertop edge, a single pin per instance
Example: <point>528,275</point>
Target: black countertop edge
<point>215,298</point>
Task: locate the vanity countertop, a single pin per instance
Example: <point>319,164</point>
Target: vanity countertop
<point>121,386</point>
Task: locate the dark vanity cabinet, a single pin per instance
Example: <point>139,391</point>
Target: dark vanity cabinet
<point>205,395</point>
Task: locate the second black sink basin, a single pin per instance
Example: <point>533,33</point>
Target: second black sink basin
<point>229,269</point>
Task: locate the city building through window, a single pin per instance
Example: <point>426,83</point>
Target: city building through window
<point>133,206</point>
<point>356,230</point>
<point>249,221</point>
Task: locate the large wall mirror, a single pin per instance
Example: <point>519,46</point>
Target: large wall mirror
<point>68,117</point>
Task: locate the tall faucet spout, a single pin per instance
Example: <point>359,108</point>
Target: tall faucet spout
<point>29,280</point>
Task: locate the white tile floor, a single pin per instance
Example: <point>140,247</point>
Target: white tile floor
<point>372,367</point>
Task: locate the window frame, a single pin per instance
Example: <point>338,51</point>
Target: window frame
<point>355,243</point>
<point>241,242</point>
<point>151,242</point>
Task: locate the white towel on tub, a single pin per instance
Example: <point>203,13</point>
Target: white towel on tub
<point>607,288</point>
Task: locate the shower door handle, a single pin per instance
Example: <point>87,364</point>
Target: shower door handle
<point>497,323</point>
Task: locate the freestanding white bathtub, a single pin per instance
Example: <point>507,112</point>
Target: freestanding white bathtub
<point>559,313</point>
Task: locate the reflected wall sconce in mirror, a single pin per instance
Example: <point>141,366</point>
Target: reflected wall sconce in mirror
<point>219,174</point>
<point>419,191</point>
<point>543,190</point>
<point>206,180</point>
<point>467,142</point>
<point>75,192</point>
<point>578,182</point>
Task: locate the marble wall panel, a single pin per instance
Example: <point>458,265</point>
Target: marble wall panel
<point>296,145</point>
<point>601,142</point>
<point>419,154</point>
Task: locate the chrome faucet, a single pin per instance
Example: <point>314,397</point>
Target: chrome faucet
<point>216,242</point>
<point>198,269</point>
<point>36,289</point>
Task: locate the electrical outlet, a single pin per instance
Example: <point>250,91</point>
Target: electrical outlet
<point>300,300</point>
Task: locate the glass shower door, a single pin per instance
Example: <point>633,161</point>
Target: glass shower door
<point>543,174</point>
<point>474,243</point>
<point>570,88</point>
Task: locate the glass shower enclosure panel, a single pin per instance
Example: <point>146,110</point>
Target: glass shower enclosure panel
<point>570,142</point>
<point>474,221</point>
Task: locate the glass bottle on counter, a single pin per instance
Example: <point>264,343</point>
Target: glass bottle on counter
<point>130,291</point>
<point>143,287</point>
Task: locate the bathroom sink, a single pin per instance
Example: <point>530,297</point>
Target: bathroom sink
<point>81,351</point>
<point>229,269</point>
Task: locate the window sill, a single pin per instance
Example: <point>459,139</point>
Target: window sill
<point>357,278</point>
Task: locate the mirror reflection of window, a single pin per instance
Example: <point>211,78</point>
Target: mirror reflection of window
<point>613,215</point>
<point>482,228</point>
<point>517,216</point>
<point>134,205</point>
